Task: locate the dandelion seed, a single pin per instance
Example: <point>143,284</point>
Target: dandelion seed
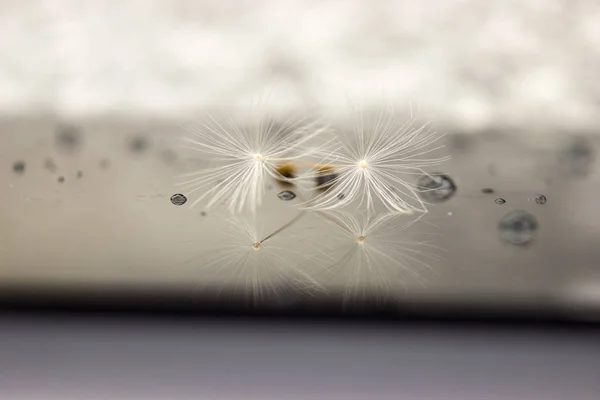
<point>325,176</point>
<point>377,161</point>
<point>247,158</point>
<point>373,255</point>
<point>287,172</point>
<point>259,264</point>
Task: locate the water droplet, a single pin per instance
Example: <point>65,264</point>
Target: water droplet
<point>203,213</point>
<point>61,179</point>
<point>578,156</point>
<point>518,227</point>
<point>138,144</point>
<point>499,200</point>
<point>541,199</point>
<point>50,165</point>
<point>19,167</point>
<point>436,187</point>
<point>79,174</point>
<point>487,190</point>
<point>178,199</point>
<point>286,195</point>
<point>69,138</point>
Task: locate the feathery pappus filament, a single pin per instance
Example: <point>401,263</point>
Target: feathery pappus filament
<point>377,160</point>
<point>245,157</point>
<point>372,254</point>
<point>259,263</point>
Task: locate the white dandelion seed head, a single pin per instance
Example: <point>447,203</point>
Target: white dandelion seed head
<point>243,158</point>
<point>377,160</point>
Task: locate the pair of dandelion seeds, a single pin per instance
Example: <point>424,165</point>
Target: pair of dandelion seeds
<point>354,197</point>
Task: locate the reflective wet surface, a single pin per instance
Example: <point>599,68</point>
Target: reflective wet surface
<point>85,208</point>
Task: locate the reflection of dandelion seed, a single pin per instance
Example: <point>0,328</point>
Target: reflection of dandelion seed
<point>373,162</point>
<point>371,254</point>
<point>257,264</point>
<point>247,158</point>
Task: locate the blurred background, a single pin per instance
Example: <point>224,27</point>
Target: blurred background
<point>92,94</point>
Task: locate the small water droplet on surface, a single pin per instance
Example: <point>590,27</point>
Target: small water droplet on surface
<point>19,167</point>
<point>286,195</point>
<point>436,187</point>
<point>487,190</point>
<point>138,144</point>
<point>203,213</point>
<point>518,227</point>
<point>79,174</point>
<point>178,199</point>
<point>500,200</point>
<point>50,165</point>
<point>61,179</point>
<point>69,138</point>
<point>578,156</point>
<point>541,199</point>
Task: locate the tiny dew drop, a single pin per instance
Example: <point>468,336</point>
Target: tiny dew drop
<point>61,179</point>
<point>19,167</point>
<point>50,165</point>
<point>518,227</point>
<point>436,187</point>
<point>286,195</point>
<point>541,199</point>
<point>178,199</point>
<point>499,200</point>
